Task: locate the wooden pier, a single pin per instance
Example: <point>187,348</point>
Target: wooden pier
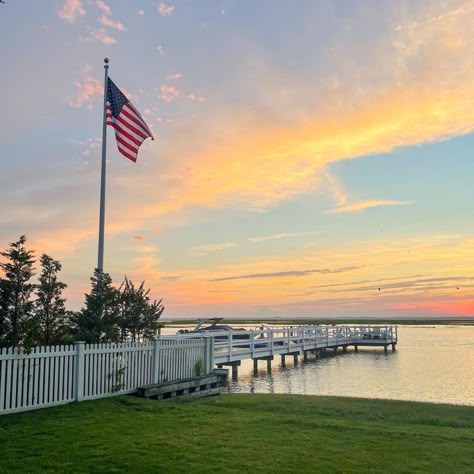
<point>231,347</point>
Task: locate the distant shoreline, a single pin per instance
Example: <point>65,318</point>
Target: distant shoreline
<point>466,321</point>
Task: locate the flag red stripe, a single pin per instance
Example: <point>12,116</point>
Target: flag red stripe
<point>132,128</point>
<point>140,118</point>
<point>124,132</point>
<point>127,155</point>
<point>125,144</point>
<point>125,118</point>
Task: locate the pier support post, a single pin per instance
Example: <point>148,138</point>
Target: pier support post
<point>235,372</point>
<point>344,349</point>
<point>255,365</point>
<point>283,361</point>
<point>295,358</point>
<point>356,348</point>
<point>393,347</point>
<point>305,355</point>
<point>269,365</point>
<point>385,349</point>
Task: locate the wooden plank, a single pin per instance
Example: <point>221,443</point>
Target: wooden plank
<point>9,370</point>
<point>15,377</point>
<point>2,379</point>
<point>31,373</point>
<point>54,376</point>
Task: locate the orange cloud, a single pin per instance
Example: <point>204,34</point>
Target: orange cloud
<point>164,9</point>
<point>169,93</point>
<point>195,98</point>
<point>71,10</point>
<point>100,35</point>
<point>106,21</point>
<point>172,77</point>
<point>362,205</point>
<point>101,5</point>
<point>88,89</point>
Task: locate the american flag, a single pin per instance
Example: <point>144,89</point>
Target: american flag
<point>130,128</point>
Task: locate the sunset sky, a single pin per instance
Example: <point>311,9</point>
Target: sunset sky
<point>311,158</point>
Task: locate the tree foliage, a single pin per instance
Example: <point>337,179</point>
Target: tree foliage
<point>109,314</point>
<point>50,307</point>
<point>139,316</point>
<point>16,308</point>
<point>98,320</point>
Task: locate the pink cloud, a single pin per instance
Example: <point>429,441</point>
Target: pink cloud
<point>104,7</point>
<point>71,10</point>
<point>169,93</point>
<point>87,90</point>
<point>165,10</point>
<point>172,77</point>
<point>140,12</point>
<point>138,238</point>
<point>195,98</point>
<point>106,21</point>
<point>101,36</point>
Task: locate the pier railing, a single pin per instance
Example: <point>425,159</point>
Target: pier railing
<point>260,343</point>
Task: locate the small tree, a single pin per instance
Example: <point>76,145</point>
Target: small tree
<point>98,320</point>
<point>139,317</point>
<point>50,307</point>
<point>15,305</point>
<point>5,298</point>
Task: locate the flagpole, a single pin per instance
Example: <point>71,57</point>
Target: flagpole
<point>100,258</point>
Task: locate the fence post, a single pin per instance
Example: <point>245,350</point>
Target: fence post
<point>156,361</point>
<point>209,354</point>
<point>79,372</point>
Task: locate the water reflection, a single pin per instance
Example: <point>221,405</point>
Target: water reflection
<point>430,364</point>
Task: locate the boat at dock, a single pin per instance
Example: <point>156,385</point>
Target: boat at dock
<point>211,327</point>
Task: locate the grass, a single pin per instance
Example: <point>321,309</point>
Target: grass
<point>240,433</point>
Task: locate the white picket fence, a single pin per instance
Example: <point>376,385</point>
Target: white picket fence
<point>54,375</point>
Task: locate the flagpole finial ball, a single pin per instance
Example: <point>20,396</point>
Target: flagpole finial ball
<point>106,60</point>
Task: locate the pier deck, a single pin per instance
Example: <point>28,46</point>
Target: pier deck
<point>265,343</point>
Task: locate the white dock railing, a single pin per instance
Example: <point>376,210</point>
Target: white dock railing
<point>54,375</point>
<point>231,346</point>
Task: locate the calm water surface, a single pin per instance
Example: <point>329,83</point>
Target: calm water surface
<point>431,364</point>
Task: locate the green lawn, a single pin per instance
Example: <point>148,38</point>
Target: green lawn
<point>240,433</point>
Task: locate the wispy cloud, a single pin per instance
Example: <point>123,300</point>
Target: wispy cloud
<point>71,10</point>
<point>164,9</point>
<point>140,12</point>
<point>460,11</point>
<point>171,277</point>
<point>362,205</point>
<point>138,238</point>
<point>169,93</point>
<point>172,77</point>
<point>291,273</point>
<point>281,236</point>
<point>88,89</point>
<point>195,98</point>
<point>101,5</point>
<point>202,250</point>
<point>106,21</point>
<point>101,36</point>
